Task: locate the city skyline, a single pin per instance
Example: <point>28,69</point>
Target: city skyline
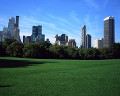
<point>62,17</point>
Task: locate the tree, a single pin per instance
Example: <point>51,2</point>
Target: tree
<point>91,53</point>
<point>105,53</point>
<point>15,49</point>
<point>115,50</point>
<point>45,53</point>
<point>2,49</point>
<point>81,54</point>
<point>72,53</point>
<point>8,41</point>
<point>31,50</point>
<point>45,44</point>
<point>36,50</point>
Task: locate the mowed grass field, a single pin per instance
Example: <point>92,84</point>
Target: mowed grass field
<point>52,77</point>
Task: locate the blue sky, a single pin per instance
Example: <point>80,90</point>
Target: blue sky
<point>62,16</point>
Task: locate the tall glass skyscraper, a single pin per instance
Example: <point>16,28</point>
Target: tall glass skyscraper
<point>11,26</point>
<point>83,37</point>
<point>109,31</point>
<point>37,32</point>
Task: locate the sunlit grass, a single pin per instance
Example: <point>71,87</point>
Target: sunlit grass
<point>52,77</point>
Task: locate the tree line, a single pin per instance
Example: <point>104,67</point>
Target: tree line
<point>45,50</point>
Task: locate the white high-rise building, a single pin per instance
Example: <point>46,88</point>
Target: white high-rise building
<point>11,26</point>
<point>83,37</point>
<point>99,43</point>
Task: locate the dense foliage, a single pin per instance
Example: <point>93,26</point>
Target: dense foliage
<point>36,50</point>
<point>46,50</point>
<point>15,49</point>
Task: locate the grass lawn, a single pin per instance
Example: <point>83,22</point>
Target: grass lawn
<point>55,77</point>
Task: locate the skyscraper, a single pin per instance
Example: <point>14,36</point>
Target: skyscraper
<point>109,31</point>
<point>37,33</point>
<point>16,34</point>
<point>11,26</point>
<point>83,37</point>
<point>17,21</point>
<point>88,41</point>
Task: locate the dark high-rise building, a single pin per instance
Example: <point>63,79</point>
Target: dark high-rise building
<point>17,21</point>
<point>16,34</point>
<point>88,41</point>
<point>27,39</point>
<point>66,38</point>
<point>63,37</point>
<point>37,33</point>
<point>34,32</point>
<point>1,36</point>
<point>109,31</point>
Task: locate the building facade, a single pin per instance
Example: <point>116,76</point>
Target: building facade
<point>6,33</point>
<point>61,40</point>
<point>16,34</point>
<point>83,37</point>
<point>88,41</point>
<point>11,26</point>
<point>27,39</point>
<point>37,34</point>
<point>1,35</point>
<point>71,43</point>
<point>99,43</point>
<point>109,31</point>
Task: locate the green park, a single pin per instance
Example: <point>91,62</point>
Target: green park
<point>56,77</point>
<point>43,69</point>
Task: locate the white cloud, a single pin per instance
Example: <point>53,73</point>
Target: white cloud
<point>62,21</point>
<point>92,4</point>
<point>74,16</point>
<point>27,23</point>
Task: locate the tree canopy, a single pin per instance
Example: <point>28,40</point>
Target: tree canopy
<point>46,50</point>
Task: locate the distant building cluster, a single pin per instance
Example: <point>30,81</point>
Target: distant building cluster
<point>109,33</point>
<point>36,36</point>
<point>12,31</point>
<point>63,41</point>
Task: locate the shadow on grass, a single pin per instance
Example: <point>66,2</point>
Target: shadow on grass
<point>5,63</point>
<point>5,86</point>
